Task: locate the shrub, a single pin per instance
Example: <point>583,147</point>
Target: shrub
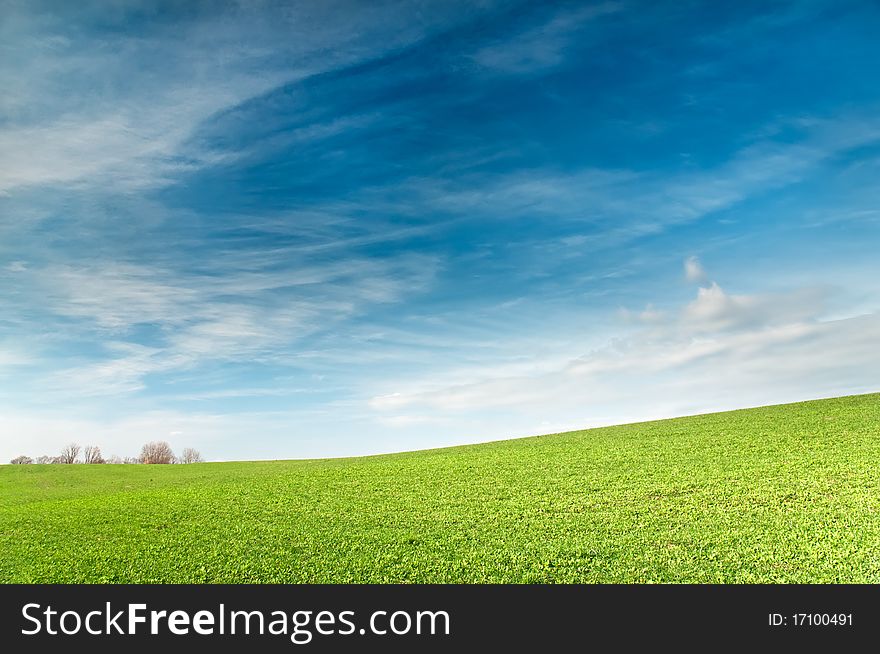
<point>157,452</point>
<point>92,454</point>
<point>69,454</point>
<point>191,456</point>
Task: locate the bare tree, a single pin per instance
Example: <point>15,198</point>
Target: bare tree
<point>43,459</point>
<point>92,454</point>
<point>115,459</point>
<point>132,460</point>
<point>22,460</point>
<point>157,452</point>
<point>191,455</point>
<point>69,454</point>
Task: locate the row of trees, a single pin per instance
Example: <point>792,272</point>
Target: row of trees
<point>156,452</point>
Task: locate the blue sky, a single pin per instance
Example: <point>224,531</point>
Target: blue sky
<point>280,230</point>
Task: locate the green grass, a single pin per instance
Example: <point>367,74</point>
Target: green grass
<point>778,494</point>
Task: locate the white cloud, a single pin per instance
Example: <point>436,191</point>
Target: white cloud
<point>89,110</point>
<point>717,352</point>
<point>715,311</point>
<point>122,373</point>
<point>114,295</point>
<point>693,270</point>
<point>621,205</point>
<point>541,47</point>
<point>248,314</point>
<point>650,314</point>
<point>13,357</point>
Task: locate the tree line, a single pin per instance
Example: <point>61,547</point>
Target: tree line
<point>154,452</point>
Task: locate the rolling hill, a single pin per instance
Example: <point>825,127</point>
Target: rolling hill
<point>787,493</point>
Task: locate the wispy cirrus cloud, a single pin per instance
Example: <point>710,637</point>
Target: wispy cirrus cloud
<point>252,316</point>
<point>135,101</point>
<point>680,193</point>
<point>539,48</point>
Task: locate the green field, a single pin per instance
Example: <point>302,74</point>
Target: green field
<point>778,494</point>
